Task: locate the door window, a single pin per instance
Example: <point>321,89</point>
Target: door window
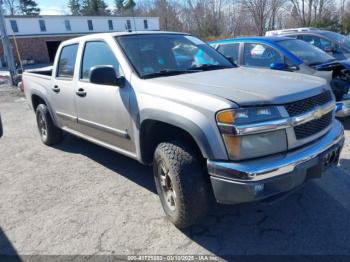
<point>230,50</point>
<point>317,41</point>
<point>325,44</point>
<point>66,62</point>
<point>260,55</point>
<point>97,53</point>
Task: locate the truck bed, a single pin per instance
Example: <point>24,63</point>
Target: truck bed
<point>46,71</point>
<point>37,81</point>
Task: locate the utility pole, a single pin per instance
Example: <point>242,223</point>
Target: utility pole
<point>7,46</point>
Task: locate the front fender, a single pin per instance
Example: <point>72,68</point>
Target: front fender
<point>204,132</point>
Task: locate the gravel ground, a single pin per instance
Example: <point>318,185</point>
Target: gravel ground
<point>79,198</point>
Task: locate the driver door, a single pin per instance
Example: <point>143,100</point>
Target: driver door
<point>102,109</point>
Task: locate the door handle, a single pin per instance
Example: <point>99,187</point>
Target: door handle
<point>56,89</point>
<point>81,92</point>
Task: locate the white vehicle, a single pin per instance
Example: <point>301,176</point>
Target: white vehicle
<point>290,30</point>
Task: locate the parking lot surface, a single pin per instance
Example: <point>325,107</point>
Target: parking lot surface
<point>79,198</point>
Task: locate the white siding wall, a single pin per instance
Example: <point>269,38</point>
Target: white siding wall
<point>79,25</point>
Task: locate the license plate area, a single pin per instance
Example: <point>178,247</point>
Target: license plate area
<point>330,157</point>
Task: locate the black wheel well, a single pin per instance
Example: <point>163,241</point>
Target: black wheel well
<point>153,132</point>
<point>37,100</point>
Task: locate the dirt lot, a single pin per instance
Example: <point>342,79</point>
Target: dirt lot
<point>78,198</point>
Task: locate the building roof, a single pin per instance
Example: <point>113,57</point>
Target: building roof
<point>57,25</point>
<point>114,34</point>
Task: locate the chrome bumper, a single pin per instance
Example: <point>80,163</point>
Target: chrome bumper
<point>242,181</point>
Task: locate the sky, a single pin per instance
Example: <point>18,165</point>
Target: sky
<point>58,7</point>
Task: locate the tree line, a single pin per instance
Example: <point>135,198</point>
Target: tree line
<point>215,18</point>
<point>21,7</point>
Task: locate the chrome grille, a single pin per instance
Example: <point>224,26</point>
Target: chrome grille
<point>313,127</point>
<point>308,104</point>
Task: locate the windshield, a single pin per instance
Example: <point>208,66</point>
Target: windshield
<point>307,53</point>
<point>341,40</point>
<point>156,55</point>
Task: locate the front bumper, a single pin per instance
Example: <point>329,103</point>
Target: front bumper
<point>238,182</point>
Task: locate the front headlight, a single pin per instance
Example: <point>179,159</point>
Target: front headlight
<point>241,147</point>
<point>244,116</point>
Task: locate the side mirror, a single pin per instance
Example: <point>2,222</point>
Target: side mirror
<point>105,75</point>
<point>278,66</point>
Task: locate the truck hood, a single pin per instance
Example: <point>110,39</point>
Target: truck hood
<point>247,86</point>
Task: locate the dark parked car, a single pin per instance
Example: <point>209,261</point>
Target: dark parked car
<point>333,43</point>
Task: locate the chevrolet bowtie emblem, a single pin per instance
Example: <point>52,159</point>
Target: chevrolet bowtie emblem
<point>317,114</point>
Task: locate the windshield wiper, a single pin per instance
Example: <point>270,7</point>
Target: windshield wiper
<point>206,67</point>
<point>170,72</point>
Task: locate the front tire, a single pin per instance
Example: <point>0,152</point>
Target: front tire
<point>49,133</point>
<point>181,184</point>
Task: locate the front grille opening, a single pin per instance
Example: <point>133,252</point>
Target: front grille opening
<point>308,104</point>
<point>313,127</point>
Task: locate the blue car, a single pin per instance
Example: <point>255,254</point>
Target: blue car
<point>288,54</point>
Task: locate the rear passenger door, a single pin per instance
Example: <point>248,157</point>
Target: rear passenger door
<point>103,111</point>
<point>62,91</point>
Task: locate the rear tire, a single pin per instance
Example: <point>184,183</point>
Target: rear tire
<point>181,184</point>
<point>49,133</point>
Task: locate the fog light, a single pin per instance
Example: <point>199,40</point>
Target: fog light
<point>258,188</point>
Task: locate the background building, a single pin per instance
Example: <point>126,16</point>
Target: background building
<point>38,38</point>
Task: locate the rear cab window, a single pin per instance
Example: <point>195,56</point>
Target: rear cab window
<point>66,62</point>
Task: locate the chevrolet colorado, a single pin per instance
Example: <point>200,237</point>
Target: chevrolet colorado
<point>207,126</point>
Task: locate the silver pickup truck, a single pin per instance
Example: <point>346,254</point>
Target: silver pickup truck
<point>207,126</point>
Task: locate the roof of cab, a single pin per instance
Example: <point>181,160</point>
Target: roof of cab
<point>114,34</point>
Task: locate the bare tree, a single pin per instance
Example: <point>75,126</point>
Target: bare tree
<point>11,6</point>
<point>260,11</point>
<point>276,9</point>
<point>310,11</point>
